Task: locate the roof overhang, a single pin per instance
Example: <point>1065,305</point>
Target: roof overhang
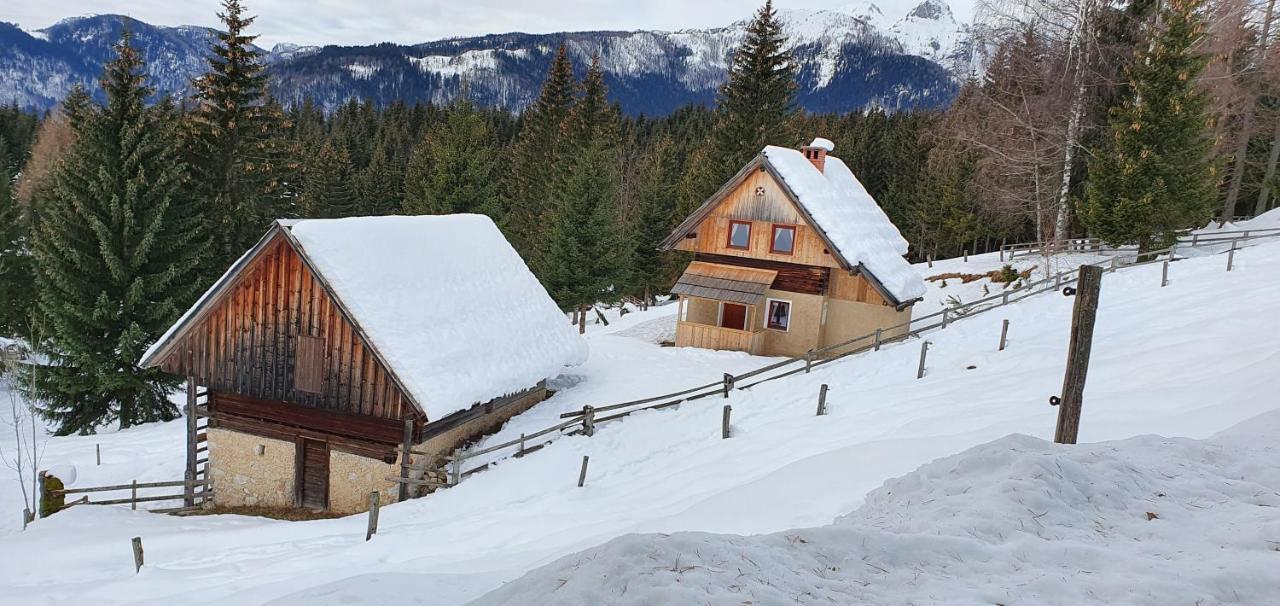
<point>724,282</point>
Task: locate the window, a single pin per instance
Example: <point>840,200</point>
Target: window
<point>779,316</point>
<point>783,240</point>
<point>308,365</point>
<point>740,234</point>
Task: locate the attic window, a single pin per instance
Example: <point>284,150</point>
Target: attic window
<point>783,239</point>
<point>308,365</point>
<point>740,235</point>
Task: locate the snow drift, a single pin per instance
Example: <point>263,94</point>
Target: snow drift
<point>1146,520</point>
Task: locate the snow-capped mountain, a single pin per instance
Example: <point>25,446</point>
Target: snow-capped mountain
<point>848,59</point>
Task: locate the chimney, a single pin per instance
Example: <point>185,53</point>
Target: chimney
<point>816,151</point>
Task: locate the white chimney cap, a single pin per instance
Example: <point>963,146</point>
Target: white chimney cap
<point>824,144</point>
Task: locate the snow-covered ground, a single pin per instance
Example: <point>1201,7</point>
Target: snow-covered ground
<point>1188,360</point>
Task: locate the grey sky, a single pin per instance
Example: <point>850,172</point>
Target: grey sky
<point>411,21</point>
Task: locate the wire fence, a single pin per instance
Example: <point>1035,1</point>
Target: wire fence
<point>585,421</point>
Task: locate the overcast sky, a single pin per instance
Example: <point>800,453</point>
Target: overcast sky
<point>412,21</point>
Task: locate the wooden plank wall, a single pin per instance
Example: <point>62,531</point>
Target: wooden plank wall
<point>773,206</point>
<point>247,343</point>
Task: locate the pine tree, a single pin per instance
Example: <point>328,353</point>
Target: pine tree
<point>117,246</point>
<point>452,170</point>
<point>380,186</point>
<point>16,290</point>
<point>584,256</point>
<point>754,109</point>
<point>326,183</point>
<point>534,158</point>
<point>1156,176</point>
<point>653,218</point>
<point>234,156</point>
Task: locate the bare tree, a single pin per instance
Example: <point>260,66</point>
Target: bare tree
<point>24,421</point>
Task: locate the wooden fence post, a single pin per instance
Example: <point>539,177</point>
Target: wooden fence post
<point>1231,255</point>
<point>26,517</point>
<point>1164,274</point>
<point>924,348</point>
<point>455,463</point>
<point>374,504</point>
<point>930,259</point>
<point>728,383</point>
<point>133,494</point>
<point>521,449</point>
<point>1083,317</point>
<point>724,422</point>
<point>137,554</point>
<point>1004,334</point>
<point>822,400</point>
<point>402,492</point>
<point>589,420</point>
<point>582,474</point>
<point>944,317</point>
<point>966,255</point>
<point>189,491</point>
<point>808,361</point>
<point>878,331</point>
<point>97,452</point>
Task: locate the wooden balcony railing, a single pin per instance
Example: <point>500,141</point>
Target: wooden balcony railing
<point>707,336</point>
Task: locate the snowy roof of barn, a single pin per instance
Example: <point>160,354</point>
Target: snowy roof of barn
<point>446,301</point>
<point>857,232</point>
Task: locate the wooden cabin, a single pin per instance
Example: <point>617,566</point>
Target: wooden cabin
<point>316,346</point>
<point>791,255</point>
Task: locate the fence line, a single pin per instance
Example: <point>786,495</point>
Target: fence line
<point>580,420</point>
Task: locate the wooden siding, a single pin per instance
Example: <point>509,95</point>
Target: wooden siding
<point>854,288</point>
<point>763,211</point>
<point>790,277</point>
<point>705,336</point>
<point>248,343</point>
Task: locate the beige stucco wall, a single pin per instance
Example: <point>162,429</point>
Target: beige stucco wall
<point>805,328</point>
<point>242,477</point>
<point>353,477</point>
<point>849,319</point>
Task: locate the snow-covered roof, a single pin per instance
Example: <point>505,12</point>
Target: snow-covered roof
<point>447,302</point>
<point>850,218</point>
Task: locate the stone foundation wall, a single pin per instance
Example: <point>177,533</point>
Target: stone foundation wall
<point>353,477</point>
<point>242,477</point>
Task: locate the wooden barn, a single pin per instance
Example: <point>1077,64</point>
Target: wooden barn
<point>792,254</point>
<point>313,349</point>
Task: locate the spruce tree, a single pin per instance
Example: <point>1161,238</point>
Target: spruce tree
<point>452,170</point>
<point>1155,175</point>
<point>652,218</point>
<point>380,186</point>
<point>326,184</point>
<point>16,290</point>
<point>584,256</point>
<point>234,156</point>
<point>534,159</point>
<point>119,242</point>
<point>754,109</point>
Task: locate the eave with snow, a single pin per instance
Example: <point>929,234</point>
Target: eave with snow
<point>329,339</point>
<point>791,254</point>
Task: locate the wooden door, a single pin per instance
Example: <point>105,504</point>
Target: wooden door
<point>313,474</point>
<point>733,316</point>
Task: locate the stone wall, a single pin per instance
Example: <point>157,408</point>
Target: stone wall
<point>353,477</point>
<point>243,477</point>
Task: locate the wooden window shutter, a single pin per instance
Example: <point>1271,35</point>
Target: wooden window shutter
<point>308,365</point>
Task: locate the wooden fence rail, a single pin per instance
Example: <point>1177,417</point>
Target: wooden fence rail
<point>584,421</point>
<point>202,489</point>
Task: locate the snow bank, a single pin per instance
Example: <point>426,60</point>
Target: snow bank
<point>447,301</point>
<point>1147,520</point>
<point>850,217</point>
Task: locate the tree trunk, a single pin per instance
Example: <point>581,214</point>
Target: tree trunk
<point>1271,171</point>
<point>582,320</point>
<point>1238,167</point>
<point>1063,220</point>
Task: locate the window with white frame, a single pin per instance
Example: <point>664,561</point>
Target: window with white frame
<point>779,315</point>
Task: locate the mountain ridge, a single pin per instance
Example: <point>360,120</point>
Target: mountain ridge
<point>845,63</point>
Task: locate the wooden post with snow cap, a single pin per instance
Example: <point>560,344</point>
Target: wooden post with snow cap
<point>822,400</point>
<point>588,420</point>
<point>1004,334</point>
<point>1083,317</point>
